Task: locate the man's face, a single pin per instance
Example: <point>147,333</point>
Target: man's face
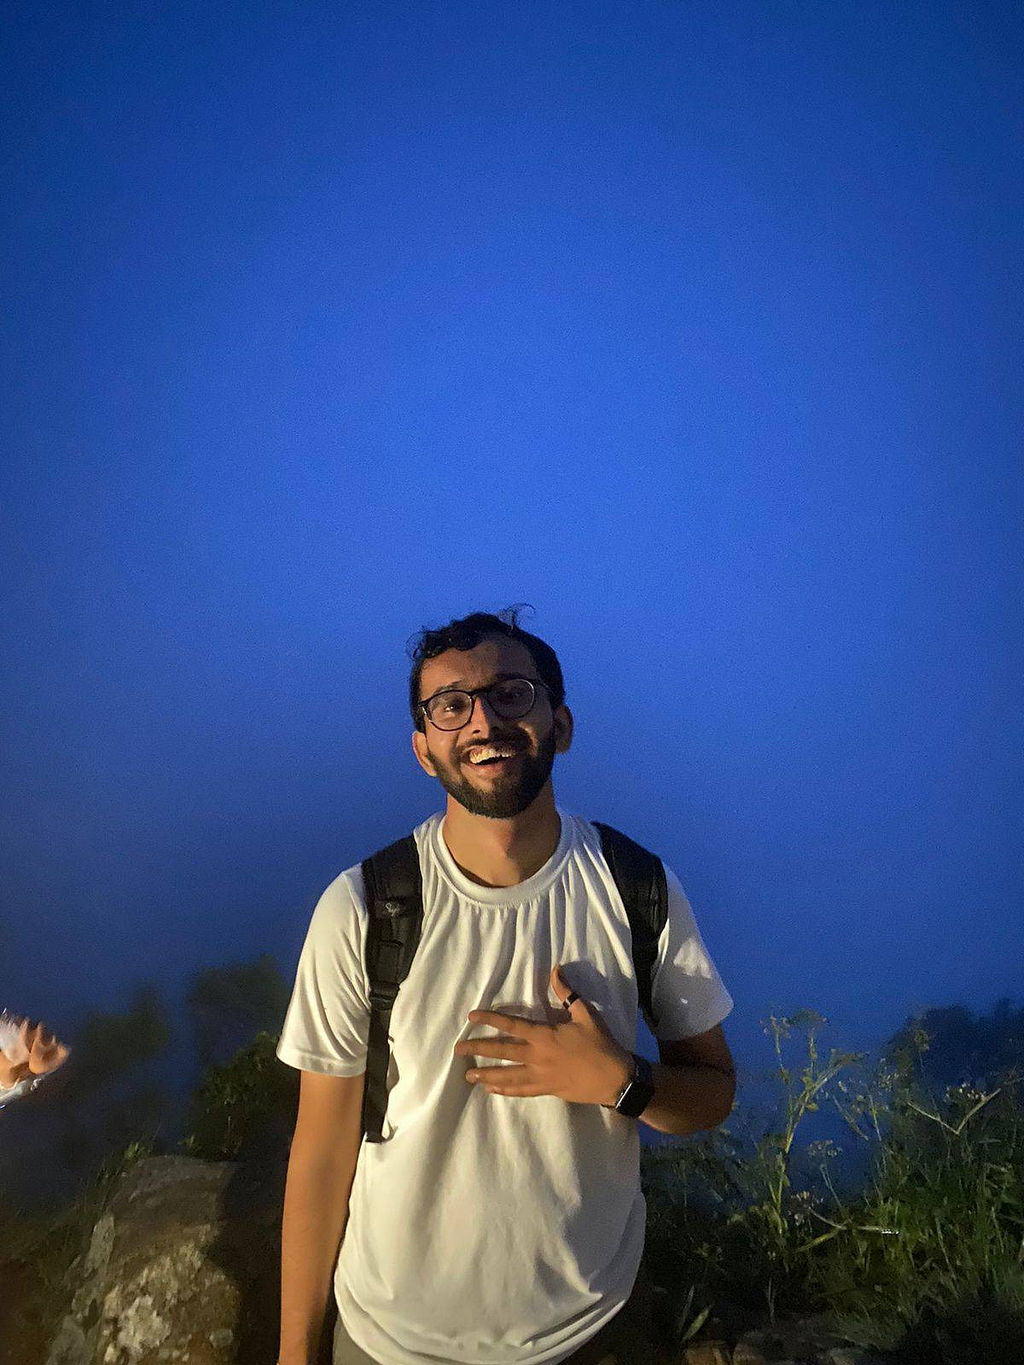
<point>508,788</point>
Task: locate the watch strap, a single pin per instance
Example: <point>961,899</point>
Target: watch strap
<point>638,1091</point>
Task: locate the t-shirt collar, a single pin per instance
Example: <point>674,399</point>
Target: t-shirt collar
<point>503,895</point>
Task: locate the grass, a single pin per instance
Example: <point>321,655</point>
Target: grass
<point>39,1252</point>
<point>923,1260</point>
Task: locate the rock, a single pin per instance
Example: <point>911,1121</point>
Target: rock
<point>182,1267</point>
<point>746,1352</point>
<point>707,1353</point>
<point>760,1343</point>
<point>799,1339</point>
<point>800,1342</point>
<point>817,1329</point>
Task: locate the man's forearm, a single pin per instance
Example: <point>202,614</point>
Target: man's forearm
<point>689,1099</point>
<point>312,1226</point>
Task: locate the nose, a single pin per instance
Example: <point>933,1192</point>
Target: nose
<point>487,713</point>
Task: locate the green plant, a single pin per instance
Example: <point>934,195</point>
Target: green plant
<point>776,1148</point>
<point>925,1258</point>
<point>723,1218</point>
<point>238,1103</point>
<point>947,1197</point>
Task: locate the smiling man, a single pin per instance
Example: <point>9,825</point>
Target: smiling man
<point>499,1220</point>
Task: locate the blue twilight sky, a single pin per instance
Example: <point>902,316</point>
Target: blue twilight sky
<point>696,326</point>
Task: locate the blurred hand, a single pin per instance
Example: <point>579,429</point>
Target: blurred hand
<point>31,1050</point>
<point>45,1052</point>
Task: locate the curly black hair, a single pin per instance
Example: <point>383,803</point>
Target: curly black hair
<point>466,633</point>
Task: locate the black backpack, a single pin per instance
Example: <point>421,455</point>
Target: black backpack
<point>394,902</point>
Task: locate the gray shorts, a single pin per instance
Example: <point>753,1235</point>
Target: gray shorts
<point>628,1339</point>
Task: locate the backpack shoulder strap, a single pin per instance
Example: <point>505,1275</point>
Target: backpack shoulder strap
<point>393,886</point>
<point>640,877</point>
<point>394,903</point>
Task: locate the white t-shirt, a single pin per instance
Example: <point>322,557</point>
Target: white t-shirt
<point>491,1229</point>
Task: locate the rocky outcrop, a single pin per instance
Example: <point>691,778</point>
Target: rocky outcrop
<point>184,1265</point>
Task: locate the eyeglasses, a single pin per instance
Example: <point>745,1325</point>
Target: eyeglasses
<point>509,698</point>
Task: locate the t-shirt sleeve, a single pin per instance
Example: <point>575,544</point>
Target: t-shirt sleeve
<point>328,1018</point>
<point>688,995</point>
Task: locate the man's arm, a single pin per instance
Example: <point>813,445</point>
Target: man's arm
<point>321,1168</point>
<point>695,1084</point>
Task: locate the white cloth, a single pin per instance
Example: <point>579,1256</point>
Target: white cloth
<point>14,1050</point>
<point>19,1088</point>
<point>491,1229</point>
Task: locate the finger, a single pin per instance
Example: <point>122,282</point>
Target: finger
<point>491,1075</point>
<point>47,1058</point>
<point>487,1047</point>
<point>522,1091</point>
<point>508,1023</point>
<point>11,1072</point>
<point>42,1047</point>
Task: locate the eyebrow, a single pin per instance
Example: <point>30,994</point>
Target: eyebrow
<point>460,683</point>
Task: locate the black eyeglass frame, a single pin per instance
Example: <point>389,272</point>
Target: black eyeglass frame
<point>473,693</point>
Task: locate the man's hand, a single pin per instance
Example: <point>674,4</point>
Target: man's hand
<point>577,1060</point>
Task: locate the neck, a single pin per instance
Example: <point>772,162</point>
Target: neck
<point>503,852</point>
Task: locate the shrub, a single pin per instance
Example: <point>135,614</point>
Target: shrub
<point>926,1260</point>
<point>243,1107</point>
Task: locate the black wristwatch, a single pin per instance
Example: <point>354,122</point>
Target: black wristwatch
<point>637,1093</point>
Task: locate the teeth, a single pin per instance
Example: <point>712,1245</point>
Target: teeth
<point>481,754</point>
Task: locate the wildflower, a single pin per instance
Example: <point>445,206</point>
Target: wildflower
<point>824,1148</point>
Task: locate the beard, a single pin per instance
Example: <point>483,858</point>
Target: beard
<point>508,793</point>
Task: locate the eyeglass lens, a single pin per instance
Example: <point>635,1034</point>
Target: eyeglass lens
<point>511,699</point>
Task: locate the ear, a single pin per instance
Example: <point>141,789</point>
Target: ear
<point>419,748</point>
<point>563,729</point>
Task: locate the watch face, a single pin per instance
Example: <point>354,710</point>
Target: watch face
<point>636,1099</point>
<point>640,1091</point>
